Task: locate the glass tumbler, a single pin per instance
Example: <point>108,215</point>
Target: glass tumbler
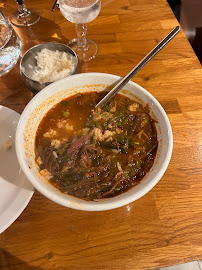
<point>10,45</point>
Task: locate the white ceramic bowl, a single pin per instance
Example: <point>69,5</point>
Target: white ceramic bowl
<point>53,94</point>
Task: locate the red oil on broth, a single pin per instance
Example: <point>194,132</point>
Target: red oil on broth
<point>94,154</point>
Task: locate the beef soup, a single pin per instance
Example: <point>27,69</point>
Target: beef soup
<point>94,154</point>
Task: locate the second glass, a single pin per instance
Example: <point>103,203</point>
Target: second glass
<point>81,12</point>
<point>10,46</point>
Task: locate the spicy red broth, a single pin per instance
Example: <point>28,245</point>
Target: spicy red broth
<point>94,154</point>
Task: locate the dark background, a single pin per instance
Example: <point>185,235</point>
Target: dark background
<point>189,14</point>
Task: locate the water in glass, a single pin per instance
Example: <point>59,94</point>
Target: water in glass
<point>78,11</point>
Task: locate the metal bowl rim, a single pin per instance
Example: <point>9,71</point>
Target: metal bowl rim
<point>38,45</point>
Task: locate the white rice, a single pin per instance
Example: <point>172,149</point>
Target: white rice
<point>53,65</point>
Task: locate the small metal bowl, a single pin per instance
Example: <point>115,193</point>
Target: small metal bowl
<point>28,63</point>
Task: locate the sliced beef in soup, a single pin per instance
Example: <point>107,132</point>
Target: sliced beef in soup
<point>94,154</point>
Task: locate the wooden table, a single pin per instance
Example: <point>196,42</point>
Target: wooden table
<point>165,226</point>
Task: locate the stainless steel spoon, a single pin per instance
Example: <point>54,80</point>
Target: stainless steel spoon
<point>139,66</point>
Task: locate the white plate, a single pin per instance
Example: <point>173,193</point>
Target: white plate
<point>15,190</point>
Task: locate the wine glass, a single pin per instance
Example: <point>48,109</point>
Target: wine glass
<point>24,17</point>
<point>10,45</point>
<point>81,12</point>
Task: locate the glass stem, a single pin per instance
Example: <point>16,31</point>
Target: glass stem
<point>22,9</point>
<point>81,30</point>
<point>20,2</point>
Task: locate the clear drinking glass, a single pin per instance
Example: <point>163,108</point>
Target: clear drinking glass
<point>23,16</point>
<point>81,12</point>
<point>10,45</point>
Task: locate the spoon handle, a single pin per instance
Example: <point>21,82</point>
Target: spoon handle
<point>139,66</point>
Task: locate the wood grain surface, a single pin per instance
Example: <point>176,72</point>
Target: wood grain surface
<point>165,226</point>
